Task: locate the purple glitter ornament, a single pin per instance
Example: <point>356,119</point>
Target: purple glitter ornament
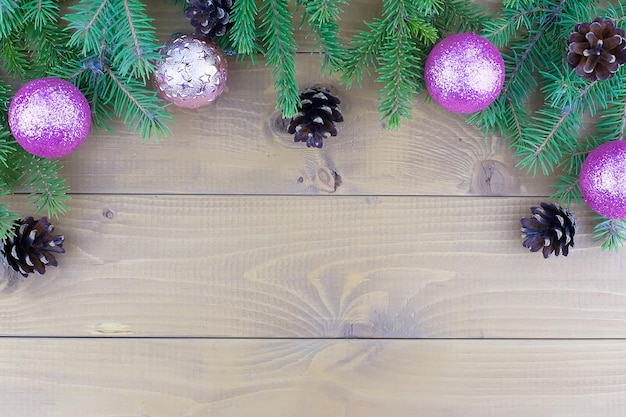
<point>603,179</point>
<point>464,73</point>
<point>193,71</point>
<point>49,117</point>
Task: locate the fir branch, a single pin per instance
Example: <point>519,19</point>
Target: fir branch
<point>567,190</point>
<point>400,66</point>
<point>8,219</point>
<point>460,16</point>
<point>500,31</point>
<point>139,109</point>
<point>611,232</point>
<point>277,28</point>
<point>365,47</point>
<point>7,149</point>
<point>48,189</point>
<point>46,48</point>
<point>41,12</point>
<point>10,20</point>
<point>612,118</point>
<point>243,33</point>
<point>89,20</point>
<point>134,41</point>
<point>13,56</point>
<point>323,15</point>
<point>541,147</point>
<point>423,31</point>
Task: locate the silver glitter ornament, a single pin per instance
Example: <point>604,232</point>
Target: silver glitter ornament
<point>192,73</point>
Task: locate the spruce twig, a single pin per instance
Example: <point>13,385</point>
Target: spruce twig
<point>243,33</point>
<point>532,35</point>
<point>611,232</point>
<point>322,16</point>
<point>280,45</point>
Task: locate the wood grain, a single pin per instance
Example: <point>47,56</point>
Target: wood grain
<point>229,272</point>
<point>239,145</point>
<point>365,378</point>
<point>271,266</point>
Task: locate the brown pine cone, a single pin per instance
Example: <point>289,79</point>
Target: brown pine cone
<point>31,247</point>
<point>596,49</point>
<point>211,18</point>
<point>319,110</point>
<point>550,229</point>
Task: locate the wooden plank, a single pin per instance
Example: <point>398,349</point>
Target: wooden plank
<point>227,378</point>
<point>240,146</point>
<point>255,266</point>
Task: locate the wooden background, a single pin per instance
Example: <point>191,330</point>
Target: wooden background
<point>227,271</point>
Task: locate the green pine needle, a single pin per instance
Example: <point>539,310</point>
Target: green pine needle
<point>133,39</point>
<point>41,12</point>
<point>48,189</point>
<point>610,232</point>
<point>280,44</point>
<point>364,49</point>
<point>8,219</point>
<point>243,33</point>
<point>138,108</point>
<point>9,17</point>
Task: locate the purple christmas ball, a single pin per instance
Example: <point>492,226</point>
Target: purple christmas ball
<point>192,73</point>
<point>464,73</point>
<point>49,117</point>
<point>603,179</point>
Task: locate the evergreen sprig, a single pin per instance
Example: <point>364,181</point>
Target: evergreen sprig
<point>322,16</point>
<point>280,49</point>
<point>395,47</point>
<point>48,188</point>
<point>243,33</point>
<point>544,106</point>
<point>118,47</point>
<point>108,49</point>
<point>610,232</point>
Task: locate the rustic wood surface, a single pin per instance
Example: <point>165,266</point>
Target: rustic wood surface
<point>227,271</point>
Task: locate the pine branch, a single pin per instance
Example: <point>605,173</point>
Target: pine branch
<point>365,47</point>
<point>423,31</point>
<point>7,220</point>
<point>400,67</point>
<point>134,41</point>
<point>48,189</point>
<point>500,31</point>
<point>541,147</point>
<point>41,12</point>
<point>13,56</point>
<point>568,190</point>
<point>10,20</point>
<point>323,15</point>
<point>89,20</point>
<point>278,39</point>
<point>243,33</point>
<point>460,16</point>
<point>7,149</point>
<point>46,48</point>
<point>138,108</point>
<point>611,232</point>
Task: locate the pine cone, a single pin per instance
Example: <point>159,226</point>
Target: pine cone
<point>209,17</point>
<point>315,121</point>
<point>551,229</point>
<point>596,49</point>
<point>31,247</point>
